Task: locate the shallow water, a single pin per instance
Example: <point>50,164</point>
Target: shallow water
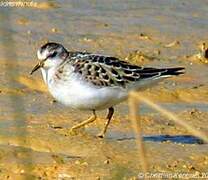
<point>30,145</point>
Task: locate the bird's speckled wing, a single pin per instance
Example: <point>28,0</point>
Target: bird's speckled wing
<point>110,71</point>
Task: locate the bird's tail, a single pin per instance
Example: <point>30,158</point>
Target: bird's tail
<point>173,71</point>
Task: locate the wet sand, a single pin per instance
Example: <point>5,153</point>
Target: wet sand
<point>35,143</point>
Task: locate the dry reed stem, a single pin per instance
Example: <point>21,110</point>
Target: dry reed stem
<point>136,124</point>
<point>171,116</point>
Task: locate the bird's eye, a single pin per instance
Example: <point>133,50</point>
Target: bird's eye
<point>53,54</point>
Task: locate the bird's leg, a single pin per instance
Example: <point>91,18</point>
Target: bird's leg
<point>109,116</point>
<point>83,123</point>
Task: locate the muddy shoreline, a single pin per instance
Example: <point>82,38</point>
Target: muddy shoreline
<point>35,143</point>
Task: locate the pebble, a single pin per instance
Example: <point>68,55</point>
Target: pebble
<point>106,161</point>
<point>54,30</point>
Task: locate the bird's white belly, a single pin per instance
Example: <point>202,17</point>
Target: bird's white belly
<point>79,94</point>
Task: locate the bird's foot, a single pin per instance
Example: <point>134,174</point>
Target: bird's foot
<point>72,132</point>
<point>101,135</point>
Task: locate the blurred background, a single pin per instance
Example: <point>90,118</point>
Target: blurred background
<point>34,142</point>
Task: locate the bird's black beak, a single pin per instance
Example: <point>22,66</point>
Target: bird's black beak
<point>39,65</point>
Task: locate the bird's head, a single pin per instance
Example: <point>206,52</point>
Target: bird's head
<point>50,55</point>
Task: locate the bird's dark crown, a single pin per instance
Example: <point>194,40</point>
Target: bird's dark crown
<point>51,46</point>
<point>52,49</point>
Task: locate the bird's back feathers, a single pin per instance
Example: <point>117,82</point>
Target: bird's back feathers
<point>110,71</point>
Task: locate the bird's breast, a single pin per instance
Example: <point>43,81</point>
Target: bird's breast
<point>71,90</point>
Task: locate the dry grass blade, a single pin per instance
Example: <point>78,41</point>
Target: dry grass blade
<point>136,124</point>
<point>171,116</point>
